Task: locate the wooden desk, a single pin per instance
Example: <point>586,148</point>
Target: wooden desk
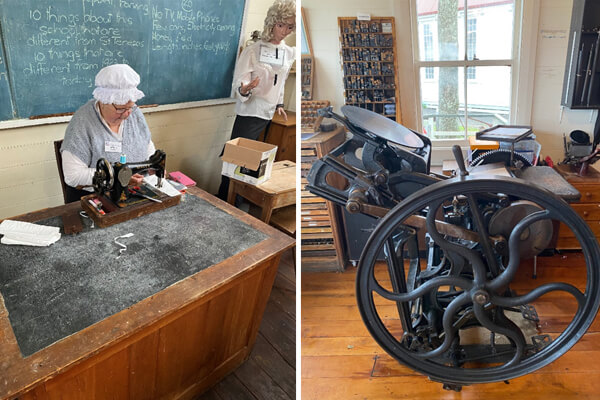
<point>283,134</point>
<point>588,207</point>
<point>278,191</point>
<point>174,344</point>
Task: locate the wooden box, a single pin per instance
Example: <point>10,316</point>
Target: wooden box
<point>115,215</point>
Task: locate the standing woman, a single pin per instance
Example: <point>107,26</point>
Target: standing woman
<point>260,76</point>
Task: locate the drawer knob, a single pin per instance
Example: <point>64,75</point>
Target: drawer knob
<point>586,213</point>
<point>588,194</point>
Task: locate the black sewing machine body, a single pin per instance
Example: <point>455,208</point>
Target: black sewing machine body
<point>112,180</point>
<point>452,247</point>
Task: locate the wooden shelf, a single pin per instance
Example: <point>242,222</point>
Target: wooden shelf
<point>307,76</point>
<point>372,33</point>
<point>321,221</point>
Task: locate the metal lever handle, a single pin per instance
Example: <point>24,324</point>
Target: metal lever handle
<point>458,156</point>
<point>325,112</point>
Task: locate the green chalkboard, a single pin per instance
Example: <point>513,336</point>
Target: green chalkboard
<point>184,50</point>
<point>6,111</point>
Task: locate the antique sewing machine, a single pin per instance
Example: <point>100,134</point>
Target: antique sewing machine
<point>114,178</point>
<point>114,201</point>
<point>453,251</point>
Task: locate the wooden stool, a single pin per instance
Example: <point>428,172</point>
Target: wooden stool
<point>277,192</point>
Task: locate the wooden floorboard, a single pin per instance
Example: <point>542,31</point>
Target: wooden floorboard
<point>340,359</point>
<point>270,372</point>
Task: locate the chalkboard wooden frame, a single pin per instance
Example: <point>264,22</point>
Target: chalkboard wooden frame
<point>216,77</point>
<point>49,120</point>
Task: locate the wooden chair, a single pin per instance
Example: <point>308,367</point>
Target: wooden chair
<point>70,194</point>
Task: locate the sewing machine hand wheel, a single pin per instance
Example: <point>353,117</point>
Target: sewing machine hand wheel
<point>468,314</point>
<point>104,176</point>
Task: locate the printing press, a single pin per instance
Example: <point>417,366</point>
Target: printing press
<point>454,249</point>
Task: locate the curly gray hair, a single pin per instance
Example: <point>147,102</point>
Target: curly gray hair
<point>278,12</point>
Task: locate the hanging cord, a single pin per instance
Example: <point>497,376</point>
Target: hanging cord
<point>84,215</point>
<point>124,248</point>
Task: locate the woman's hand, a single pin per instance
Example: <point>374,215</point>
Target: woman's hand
<point>281,112</point>
<point>245,89</point>
<point>136,180</point>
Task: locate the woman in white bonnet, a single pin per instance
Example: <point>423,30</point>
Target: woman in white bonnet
<point>260,76</point>
<point>107,126</point>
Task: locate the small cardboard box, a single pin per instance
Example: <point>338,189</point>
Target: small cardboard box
<point>248,160</point>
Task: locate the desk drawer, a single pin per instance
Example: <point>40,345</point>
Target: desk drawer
<point>590,193</point>
<point>587,211</point>
<point>570,243</point>
<point>565,232</point>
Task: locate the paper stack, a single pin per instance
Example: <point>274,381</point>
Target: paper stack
<point>166,188</point>
<point>26,233</point>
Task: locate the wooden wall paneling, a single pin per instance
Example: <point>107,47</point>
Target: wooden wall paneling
<point>111,377</point>
<point>143,367</point>
<point>183,347</point>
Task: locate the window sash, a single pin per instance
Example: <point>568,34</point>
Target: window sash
<point>513,62</point>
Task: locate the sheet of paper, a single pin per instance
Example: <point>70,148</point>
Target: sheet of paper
<point>26,233</point>
<point>166,188</point>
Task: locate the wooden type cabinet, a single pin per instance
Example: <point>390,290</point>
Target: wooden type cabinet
<point>283,134</point>
<point>369,65</point>
<point>323,247</point>
<point>307,75</point>
<point>588,207</point>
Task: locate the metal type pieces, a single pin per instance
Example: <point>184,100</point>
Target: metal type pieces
<point>453,250</point>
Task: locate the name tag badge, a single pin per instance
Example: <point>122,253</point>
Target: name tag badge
<point>270,55</point>
<point>112,147</point>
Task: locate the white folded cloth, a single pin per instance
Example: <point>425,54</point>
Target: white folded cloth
<point>28,234</point>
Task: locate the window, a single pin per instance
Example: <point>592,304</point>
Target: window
<point>465,64</point>
<point>428,48</point>
<point>471,45</point>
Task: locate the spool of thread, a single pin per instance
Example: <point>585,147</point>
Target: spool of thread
<point>123,159</point>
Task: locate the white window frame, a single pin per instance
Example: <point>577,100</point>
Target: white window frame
<point>526,19</point>
<point>425,44</point>
<point>471,73</point>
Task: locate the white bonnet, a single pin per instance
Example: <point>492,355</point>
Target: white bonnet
<point>117,84</point>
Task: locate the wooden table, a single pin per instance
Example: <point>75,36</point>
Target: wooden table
<point>278,191</point>
<point>174,344</point>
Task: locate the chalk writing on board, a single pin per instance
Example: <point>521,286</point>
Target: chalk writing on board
<point>63,44</point>
<point>3,76</point>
